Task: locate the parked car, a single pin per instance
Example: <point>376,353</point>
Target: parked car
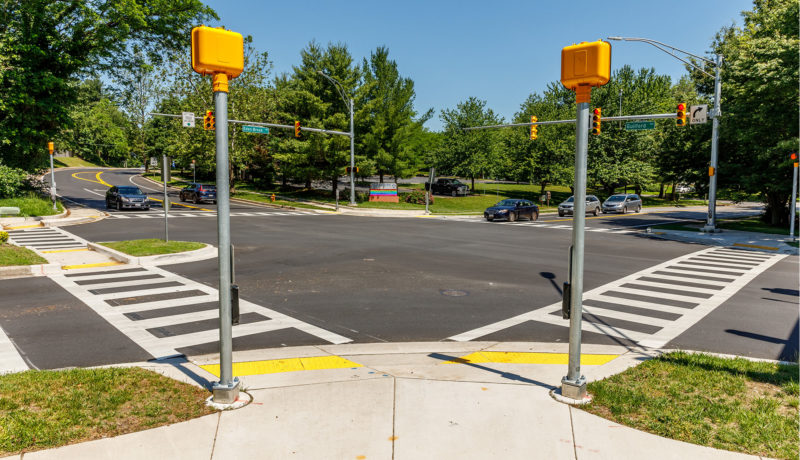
<point>199,192</point>
<point>684,188</point>
<point>452,187</point>
<point>126,197</point>
<point>623,203</point>
<point>511,210</point>
<point>592,205</point>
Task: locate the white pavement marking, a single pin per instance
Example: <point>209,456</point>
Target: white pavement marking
<point>58,239</point>
<point>95,193</point>
<point>10,359</point>
<point>733,281</point>
<point>137,330</point>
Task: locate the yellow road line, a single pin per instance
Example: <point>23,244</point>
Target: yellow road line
<point>742,245</point>
<point>528,358</point>
<point>101,264</point>
<point>24,226</point>
<point>98,181</point>
<point>274,366</point>
<point>64,250</point>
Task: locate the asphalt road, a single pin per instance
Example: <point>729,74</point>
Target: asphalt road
<point>405,279</point>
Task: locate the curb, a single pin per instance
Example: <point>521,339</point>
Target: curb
<point>208,252</point>
<point>24,271</point>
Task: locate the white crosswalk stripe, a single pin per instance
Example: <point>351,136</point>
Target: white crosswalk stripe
<point>655,305</point>
<point>139,308</point>
<point>45,238</point>
<point>178,214</point>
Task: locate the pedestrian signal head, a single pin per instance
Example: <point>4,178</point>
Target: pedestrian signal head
<point>597,114</point>
<point>681,115</point>
<point>534,128</point>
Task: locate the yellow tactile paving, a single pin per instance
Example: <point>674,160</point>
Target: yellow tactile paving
<point>24,226</point>
<point>101,264</point>
<point>64,250</point>
<point>756,246</point>
<point>528,358</point>
<point>274,366</point>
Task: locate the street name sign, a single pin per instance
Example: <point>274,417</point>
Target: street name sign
<point>255,129</point>
<point>698,114</point>
<point>639,125</point>
<point>188,119</point>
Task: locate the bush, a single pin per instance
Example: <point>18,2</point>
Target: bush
<point>3,237</point>
<point>12,181</point>
<point>415,197</point>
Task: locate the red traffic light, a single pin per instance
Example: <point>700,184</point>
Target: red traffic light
<point>793,156</point>
<point>681,106</point>
<point>597,111</point>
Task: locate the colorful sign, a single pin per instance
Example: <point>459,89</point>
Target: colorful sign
<point>382,191</point>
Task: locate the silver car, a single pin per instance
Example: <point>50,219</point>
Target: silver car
<point>592,205</point>
<point>623,203</point>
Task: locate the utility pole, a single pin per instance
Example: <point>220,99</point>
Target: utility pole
<point>166,197</point>
<point>51,149</point>
<point>349,103</point>
<point>793,201</point>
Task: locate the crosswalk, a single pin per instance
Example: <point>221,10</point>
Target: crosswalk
<point>559,225</point>
<point>154,214</point>
<point>46,239</point>
<point>655,305</point>
<point>163,312</point>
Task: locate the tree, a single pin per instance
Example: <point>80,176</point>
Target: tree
<point>467,153</point>
<point>49,44</point>
<point>759,125</point>
<point>386,124</point>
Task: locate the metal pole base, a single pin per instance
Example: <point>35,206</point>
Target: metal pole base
<point>710,229</point>
<point>574,390</point>
<point>352,203</point>
<point>225,394</point>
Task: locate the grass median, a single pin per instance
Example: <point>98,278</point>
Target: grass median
<point>152,246</point>
<point>732,404</point>
<point>32,205</point>
<point>46,409</point>
<point>11,256</point>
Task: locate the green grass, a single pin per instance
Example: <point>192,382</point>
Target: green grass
<point>32,205</point>
<point>65,162</point>
<point>731,404</point>
<point>152,246</point>
<point>46,409</point>
<point>11,255</point>
<point>752,224</point>
<point>266,199</point>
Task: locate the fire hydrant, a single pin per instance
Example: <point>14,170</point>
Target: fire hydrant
<point>272,197</point>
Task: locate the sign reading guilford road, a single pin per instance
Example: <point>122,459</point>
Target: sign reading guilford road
<point>639,125</point>
<point>255,129</point>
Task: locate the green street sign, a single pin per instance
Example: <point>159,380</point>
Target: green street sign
<point>255,129</point>
<point>639,125</point>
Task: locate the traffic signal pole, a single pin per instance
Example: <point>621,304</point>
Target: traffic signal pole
<point>711,223</point>
<point>793,200</point>
<point>226,391</point>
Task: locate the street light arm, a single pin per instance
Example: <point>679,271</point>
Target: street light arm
<point>659,45</point>
<point>337,85</point>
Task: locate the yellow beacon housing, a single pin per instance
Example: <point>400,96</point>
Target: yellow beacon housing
<point>216,50</point>
<point>586,64</point>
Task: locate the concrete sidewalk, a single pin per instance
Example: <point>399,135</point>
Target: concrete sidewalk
<point>765,242</point>
<point>442,400</point>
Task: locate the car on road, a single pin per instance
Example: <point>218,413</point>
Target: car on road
<point>197,193</point>
<point>623,203</point>
<point>126,197</point>
<point>684,188</point>
<point>592,205</point>
<point>511,210</point>
<point>452,187</point>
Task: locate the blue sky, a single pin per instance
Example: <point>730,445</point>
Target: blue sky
<point>497,51</point>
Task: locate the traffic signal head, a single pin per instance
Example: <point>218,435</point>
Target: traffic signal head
<point>296,129</point>
<point>597,114</point>
<point>50,147</point>
<point>793,156</point>
<point>534,128</point>
<point>208,121</point>
<point>681,115</point>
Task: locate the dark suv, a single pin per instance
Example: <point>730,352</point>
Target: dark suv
<point>199,192</point>
<point>126,197</point>
<point>452,187</point>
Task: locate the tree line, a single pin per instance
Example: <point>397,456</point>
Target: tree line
<point>88,73</point>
